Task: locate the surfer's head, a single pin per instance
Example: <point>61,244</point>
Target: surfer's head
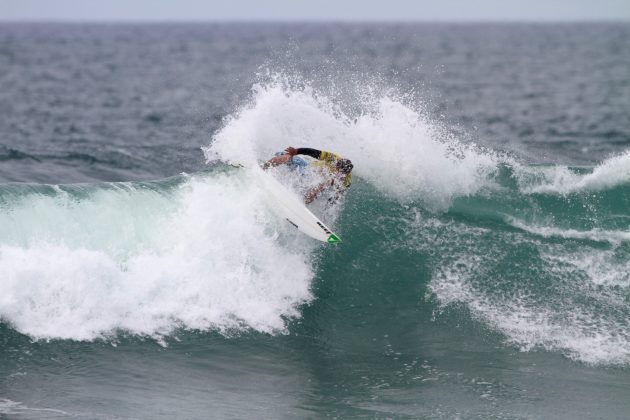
<point>344,166</point>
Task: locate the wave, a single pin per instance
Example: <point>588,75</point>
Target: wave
<point>579,332</point>
<point>538,254</point>
<point>9,153</point>
<point>83,262</point>
<point>614,172</point>
<point>9,407</point>
<point>393,146</point>
<point>540,295</point>
<point>598,235</point>
<point>109,158</point>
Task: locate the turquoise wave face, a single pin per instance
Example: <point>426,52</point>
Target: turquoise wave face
<point>540,270</point>
<point>543,272</point>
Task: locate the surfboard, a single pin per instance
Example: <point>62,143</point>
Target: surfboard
<point>291,207</point>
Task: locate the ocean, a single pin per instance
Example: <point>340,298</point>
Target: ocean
<point>484,267</point>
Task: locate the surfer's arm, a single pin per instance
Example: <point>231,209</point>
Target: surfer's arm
<point>292,151</point>
<point>314,153</point>
<point>275,161</point>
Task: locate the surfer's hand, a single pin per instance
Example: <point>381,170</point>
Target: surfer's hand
<point>292,151</point>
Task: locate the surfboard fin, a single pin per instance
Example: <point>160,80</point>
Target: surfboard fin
<point>333,239</point>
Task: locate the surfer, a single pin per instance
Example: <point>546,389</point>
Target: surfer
<point>337,170</point>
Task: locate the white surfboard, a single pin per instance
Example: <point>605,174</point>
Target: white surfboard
<point>293,209</point>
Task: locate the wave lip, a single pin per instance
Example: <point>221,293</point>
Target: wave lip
<point>612,173</point>
<point>393,145</point>
<point>14,154</point>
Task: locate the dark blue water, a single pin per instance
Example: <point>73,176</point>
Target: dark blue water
<point>483,271</point>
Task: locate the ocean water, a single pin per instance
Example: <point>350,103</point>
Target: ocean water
<point>484,268</point>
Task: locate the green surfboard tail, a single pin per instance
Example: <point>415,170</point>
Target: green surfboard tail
<point>333,239</point>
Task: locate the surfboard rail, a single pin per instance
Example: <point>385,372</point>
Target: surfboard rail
<point>293,209</point>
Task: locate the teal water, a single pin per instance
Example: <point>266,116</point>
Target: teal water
<point>484,266</point>
<point>461,313</point>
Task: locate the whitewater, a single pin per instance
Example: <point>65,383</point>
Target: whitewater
<point>537,254</point>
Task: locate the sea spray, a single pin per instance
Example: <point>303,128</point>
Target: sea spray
<point>199,256</point>
<point>393,146</point>
<point>559,179</point>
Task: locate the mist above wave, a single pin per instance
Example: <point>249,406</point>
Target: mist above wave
<point>393,145</point>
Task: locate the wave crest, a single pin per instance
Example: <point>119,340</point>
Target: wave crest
<point>393,146</point>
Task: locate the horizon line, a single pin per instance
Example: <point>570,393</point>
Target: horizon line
<point>309,20</point>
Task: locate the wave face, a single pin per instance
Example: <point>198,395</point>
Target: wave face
<point>535,255</point>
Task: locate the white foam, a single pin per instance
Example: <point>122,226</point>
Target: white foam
<point>582,332</point>
<point>201,258</point>
<point>598,235</point>
<point>7,406</point>
<point>601,267</point>
<point>13,407</point>
<point>392,145</point>
<point>613,172</point>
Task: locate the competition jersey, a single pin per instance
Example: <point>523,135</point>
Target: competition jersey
<point>327,160</point>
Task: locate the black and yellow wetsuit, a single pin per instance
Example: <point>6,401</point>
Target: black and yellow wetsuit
<point>326,160</point>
